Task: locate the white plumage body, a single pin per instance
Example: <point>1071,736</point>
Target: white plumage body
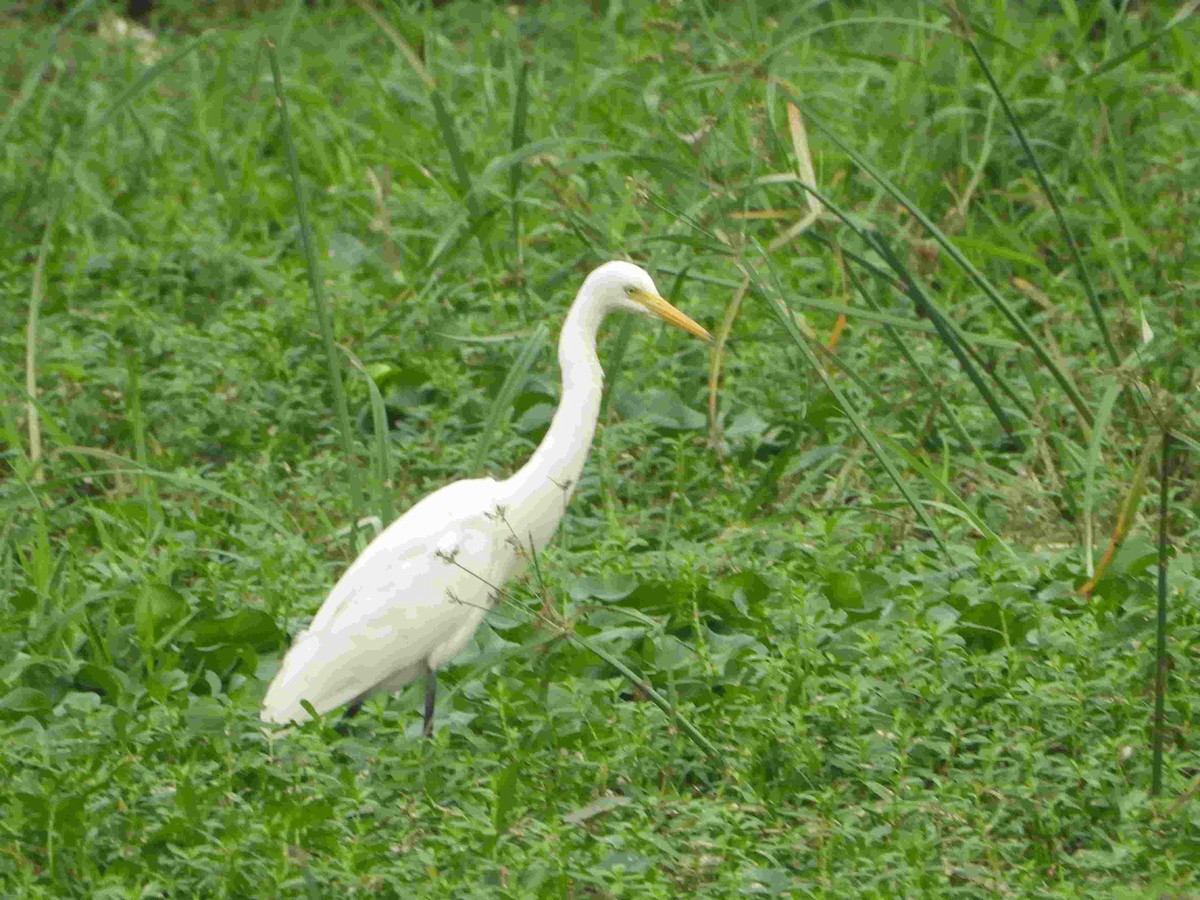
<point>414,597</point>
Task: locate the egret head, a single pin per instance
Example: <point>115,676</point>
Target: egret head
<point>624,286</point>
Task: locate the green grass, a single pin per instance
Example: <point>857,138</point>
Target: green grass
<point>866,601</point>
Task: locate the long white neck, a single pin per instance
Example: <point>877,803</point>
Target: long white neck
<point>542,487</point>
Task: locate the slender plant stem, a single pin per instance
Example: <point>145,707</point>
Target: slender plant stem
<point>320,305</point>
<point>1044,182</point>
<point>1160,644</point>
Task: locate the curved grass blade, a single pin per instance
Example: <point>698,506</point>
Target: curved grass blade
<point>1019,324</point>
<point>891,332</point>
<point>461,174</point>
<point>1161,660</point>
<point>1185,12</point>
<point>131,469</point>
<point>924,304</point>
<point>874,315</point>
<point>517,141</point>
<point>36,70</point>
<point>32,416</point>
<point>786,317</point>
<point>143,81</point>
<point>508,392</point>
<point>379,424</point>
<point>1103,413</point>
<point>315,284</point>
<point>1048,193</point>
<point>945,327</point>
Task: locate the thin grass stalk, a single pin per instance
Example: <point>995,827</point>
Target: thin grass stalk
<point>379,424</point>
<point>867,314</point>
<point>1185,12</point>
<point>959,507</point>
<point>945,332</point>
<point>946,328</point>
<point>34,78</point>
<point>398,42</point>
<point>143,81</point>
<point>12,501</point>
<point>908,355</point>
<point>508,392</point>
<point>462,175</point>
<point>1161,661</point>
<point>1103,414</point>
<point>1019,325</point>
<point>716,359</point>
<point>289,22</point>
<point>137,418</point>
<point>614,367</point>
<point>786,317</point>
<point>317,291</point>
<point>505,596</point>
<point>697,737</point>
<point>520,110</point>
<point>1044,182</point>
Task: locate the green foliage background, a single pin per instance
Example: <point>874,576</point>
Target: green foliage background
<point>860,584</point>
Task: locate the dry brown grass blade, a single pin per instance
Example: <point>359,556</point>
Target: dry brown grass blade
<point>804,165</point>
<point>382,223</point>
<point>717,360</point>
<point>33,418</point>
<point>753,214</point>
<point>1125,518</point>
<point>804,168</point>
<point>840,325</point>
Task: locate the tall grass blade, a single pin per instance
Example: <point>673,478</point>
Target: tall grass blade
<point>1044,182</point>
<point>520,110</point>
<point>137,418</point>
<point>615,364</point>
<point>1126,516</point>
<point>874,315</point>
<point>1161,661</point>
<point>130,468</point>
<point>1185,12</point>
<point>1022,327</point>
<point>508,392</point>
<point>943,325</point>
<point>697,737</point>
<point>1091,465</point>
<point>317,291</point>
<point>787,318</point>
<point>380,430</point>
<point>36,70</point>
<point>716,358</point>
<point>911,359</point>
<point>462,175</point>
<point>399,42</point>
<point>143,81</point>
<point>959,507</point>
<point>945,331</point>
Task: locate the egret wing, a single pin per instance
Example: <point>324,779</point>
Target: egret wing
<point>414,595</point>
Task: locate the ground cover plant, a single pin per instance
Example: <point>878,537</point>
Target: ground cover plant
<point>901,551</point>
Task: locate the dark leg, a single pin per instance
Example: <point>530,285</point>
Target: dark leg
<point>343,725</point>
<point>430,694</point>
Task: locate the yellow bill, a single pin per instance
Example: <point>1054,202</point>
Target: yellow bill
<point>665,311</point>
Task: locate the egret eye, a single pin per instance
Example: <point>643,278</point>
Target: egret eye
<point>629,289</point>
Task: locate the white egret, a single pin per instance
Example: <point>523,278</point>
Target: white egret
<point>412,599</point>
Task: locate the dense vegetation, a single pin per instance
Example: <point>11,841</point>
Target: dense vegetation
<point>901,572</point>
